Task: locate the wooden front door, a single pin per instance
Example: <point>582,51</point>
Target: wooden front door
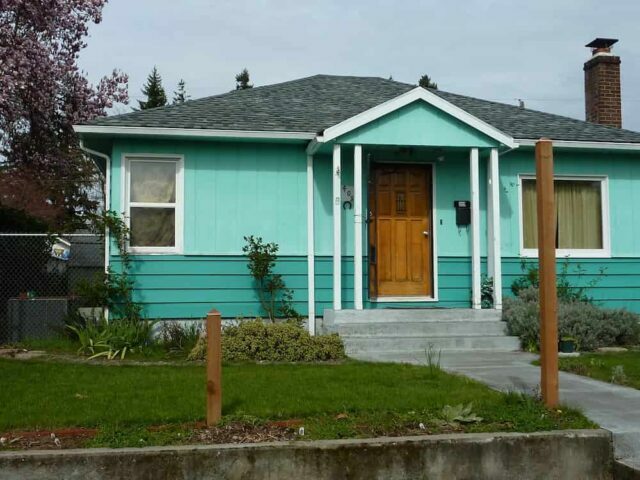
<point>400,231</point>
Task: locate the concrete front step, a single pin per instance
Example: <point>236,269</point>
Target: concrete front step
<point>445,328</point>
<point>362,344</point>
<point>391,315</point>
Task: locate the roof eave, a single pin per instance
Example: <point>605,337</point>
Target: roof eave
<point>529,142</point>
<point>190,132</point>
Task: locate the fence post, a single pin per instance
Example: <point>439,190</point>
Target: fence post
<point>214,367</point>
<point>547,269</point>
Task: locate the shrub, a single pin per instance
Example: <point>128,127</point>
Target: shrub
<point>254,340</point>
<point>178,337</point>
<point>275,298</point>
<point>591,326</point>
<point>112,339</point>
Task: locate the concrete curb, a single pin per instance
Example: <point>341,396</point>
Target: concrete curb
<point>548,455</point>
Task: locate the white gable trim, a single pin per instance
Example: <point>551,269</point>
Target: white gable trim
<point>405,99</point>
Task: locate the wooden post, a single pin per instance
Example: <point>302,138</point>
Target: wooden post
<point>214,368</point>
<point>547,272</point>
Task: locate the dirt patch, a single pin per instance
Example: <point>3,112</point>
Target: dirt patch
<point>242,433</point>
<point>47,439</point>
<point>20,353</point>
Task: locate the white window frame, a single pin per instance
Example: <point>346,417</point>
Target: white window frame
<point>604,252</point>
<point>127,158</point>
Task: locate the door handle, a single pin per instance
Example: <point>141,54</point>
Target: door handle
<point>426,233</point>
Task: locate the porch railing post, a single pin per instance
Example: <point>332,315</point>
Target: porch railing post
<point>311,298</point>
<point>357,225</point>
<point>493,223</point>
<point>475,228</point>
<point>337,233</point>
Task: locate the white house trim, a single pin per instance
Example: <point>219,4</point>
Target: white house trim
<point>178,205</point>
<point>475,228</point>
<point>357,225</point>
<point>604,252</point>
<point>493,227</point>
<point>525,142</point>
<point>411,96</point>
<point>337,233</point>
<point>310,249</point>
<point>193,132</point>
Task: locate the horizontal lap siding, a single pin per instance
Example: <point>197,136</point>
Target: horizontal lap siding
<point>173,286</point>
<point>617,287</point>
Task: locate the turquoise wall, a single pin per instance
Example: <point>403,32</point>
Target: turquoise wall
<point>237,189</point>
<point>418,124</point>
<point>233,190</point>
<point>623,172</point>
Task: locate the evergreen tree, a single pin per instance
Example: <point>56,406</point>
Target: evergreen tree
<point>242,80</point>
<point>180,95</point>
<point>156,97</point>
<point>426,82</point>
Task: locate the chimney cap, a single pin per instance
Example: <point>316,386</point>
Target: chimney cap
<point>602,43</point>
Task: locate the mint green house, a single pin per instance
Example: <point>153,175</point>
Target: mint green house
<point>380,195</point>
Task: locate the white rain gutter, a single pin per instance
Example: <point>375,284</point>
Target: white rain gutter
<point>107,204</point>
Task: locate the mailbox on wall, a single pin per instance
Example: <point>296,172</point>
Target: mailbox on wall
<point>463,212</point>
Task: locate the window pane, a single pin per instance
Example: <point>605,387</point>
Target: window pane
<point>578,210</point>
<point>152,227</point>
<point>529,214</point>
<point>153,182</point>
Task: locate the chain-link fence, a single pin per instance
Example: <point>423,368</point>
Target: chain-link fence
<point>39,278</point>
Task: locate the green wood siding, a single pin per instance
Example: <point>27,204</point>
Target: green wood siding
<point>418,124</point>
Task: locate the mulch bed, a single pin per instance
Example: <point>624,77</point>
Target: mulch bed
<point>47,439</point>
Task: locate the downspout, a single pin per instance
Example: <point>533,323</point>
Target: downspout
<point>107,204</point>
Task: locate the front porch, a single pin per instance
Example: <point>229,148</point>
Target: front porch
<point>384,184</point>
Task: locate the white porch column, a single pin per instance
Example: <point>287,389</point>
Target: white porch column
<point>494,258</point>
<point>475,228</point>
<point>337,224</point>
<point>311,296</point>
<point>357,225</point>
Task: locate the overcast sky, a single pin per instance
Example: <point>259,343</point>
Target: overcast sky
<point>495,49</point>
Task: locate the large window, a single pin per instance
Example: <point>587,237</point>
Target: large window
<point>154,204</point>
<point>581,214</point>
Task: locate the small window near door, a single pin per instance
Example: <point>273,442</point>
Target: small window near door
<point>582,228</point>
<point>154,205</point>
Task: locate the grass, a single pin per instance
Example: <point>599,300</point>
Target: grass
<point>333,401</point>
<point>622,368</point>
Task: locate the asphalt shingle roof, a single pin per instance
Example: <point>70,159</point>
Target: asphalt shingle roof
<point>315,103</point>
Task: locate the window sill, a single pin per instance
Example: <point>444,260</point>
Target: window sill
<point>153,251</point>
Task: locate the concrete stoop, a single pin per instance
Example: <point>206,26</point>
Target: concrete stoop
<point>415,331</point>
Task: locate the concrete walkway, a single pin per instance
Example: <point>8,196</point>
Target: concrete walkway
<point>614,408</point>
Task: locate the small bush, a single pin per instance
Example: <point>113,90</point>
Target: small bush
<point>254,340</point>
<point>112,339</point>
<point>178,337</point>
<point>591,326</point>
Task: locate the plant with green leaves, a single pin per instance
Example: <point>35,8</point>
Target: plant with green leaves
<point>275,298</point>
<point>453,415</point>
<point>486,292</point>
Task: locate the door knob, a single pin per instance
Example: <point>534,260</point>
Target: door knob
<point>425,233</point>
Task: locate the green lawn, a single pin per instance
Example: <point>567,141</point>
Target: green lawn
<point>622,368</point>
<point>332,400</point>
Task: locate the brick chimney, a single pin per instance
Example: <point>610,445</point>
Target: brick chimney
<point>602,84</point>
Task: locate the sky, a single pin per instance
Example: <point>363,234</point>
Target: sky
<point>500,50</point>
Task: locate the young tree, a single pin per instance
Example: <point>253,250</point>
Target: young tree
<point>242,80</point>
<point>426,82</point>
<point>43,94</point>
<point>154,91</point>
<point>180,95</point>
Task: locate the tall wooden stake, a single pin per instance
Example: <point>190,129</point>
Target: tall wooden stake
<point>214,367</point>
<point>547,265</point>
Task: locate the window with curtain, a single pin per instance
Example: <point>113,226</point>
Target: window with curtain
<point>152,202</point>
<point>578,214</point>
